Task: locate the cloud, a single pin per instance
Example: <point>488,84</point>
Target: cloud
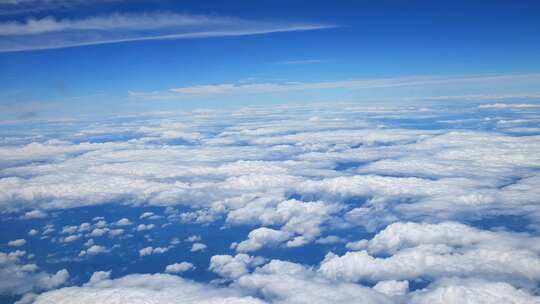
<point>98,232</point>
<point>50,33</point>
<point>286,282</point>
<point>146,215</point>
<point>473,291</point>
<point>193,238</point>
<point>432,251</point>
<point>15,7</point>
<point>198,247</point>
<point>392,288</point>
<point>151,250</point>
<point>157,288</point>
<point>123,222</point>
<point>179,267</point>
<point>262,237</point>
<point>474,97</point>
<point>233,267</point>
<point>93,250</point>
<point>17,278</point>
<point>34,214</point>
<point>71,238</point>
<point>17,243</point>
<point>260,88</point>
<point>422,194</point>
<point>116,232</point>
<point>509,105</point>
<point>144,227</point>
<point>99,276</point>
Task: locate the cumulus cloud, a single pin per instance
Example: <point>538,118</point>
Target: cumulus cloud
<point>261,237</point>
<point>193,238</point>
<point>415,204</point>
<point>392,288</point>
<point>198,247</point>
<point>472,291</point>
<point>151,250</point>
<point>233,267</point>
<point>123,222</point>
<point>17,243</point>
<point>93,250</point>
<point>157,288</point>
<point>144,227</point>
<point>179,267</point>
<point>17,278</point>
<point>433,251</point>
<point>71,238</point>
<point>34,214</point>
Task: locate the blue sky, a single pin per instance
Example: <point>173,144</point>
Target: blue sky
<point>272,43</point>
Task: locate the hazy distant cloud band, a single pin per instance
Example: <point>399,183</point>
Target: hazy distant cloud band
<point>406,81</point>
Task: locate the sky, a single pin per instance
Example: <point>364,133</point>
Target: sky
<point>70,58</point>
<point>269,152</point>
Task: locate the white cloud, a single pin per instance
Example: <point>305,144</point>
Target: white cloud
<point>89,243</point>
<point>179,267</point>
<point>69,229</point>
<point>137,288</point>
<point>17,278</point>
<point>285,282</point>
<point>97,232</point>
<point>49,32</point>
<point>94,250</point>
<point>295,217</point>
<point>262,237</point>
<point>233,267</point>
<point>17,243</point>
<point>33,232</point>
<point>116,232</point>
<point>146,215</point>
<point>472,291</point>
<point>71,238</point>
<point>99,276</point>
<point>34,214</point>
<point>198,247</point>
<point>27,298</point>
<point>193,238</point>
<point>83,227</point>
<point>144,227</point>
<point>392,288</point>
<point>302,174</point>
<point>330,239</point>
<point>123,222</point>
<point>151,250</point>
<point>253,88</point>
<point>431,251</point>
<point>509,105</point>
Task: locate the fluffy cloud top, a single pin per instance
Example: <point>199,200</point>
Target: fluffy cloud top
<point>139,289</point>
<point>452,203</point>
<point>179,267</point>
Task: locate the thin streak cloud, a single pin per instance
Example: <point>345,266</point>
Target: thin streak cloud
<point>52,33</point>
<point>254,88</point>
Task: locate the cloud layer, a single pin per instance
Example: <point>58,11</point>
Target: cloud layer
<point>411,204</point>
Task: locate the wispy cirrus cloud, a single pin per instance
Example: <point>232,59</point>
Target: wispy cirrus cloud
<point>19,7</point>
<point>268,87</point>
<point>50,32</point>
